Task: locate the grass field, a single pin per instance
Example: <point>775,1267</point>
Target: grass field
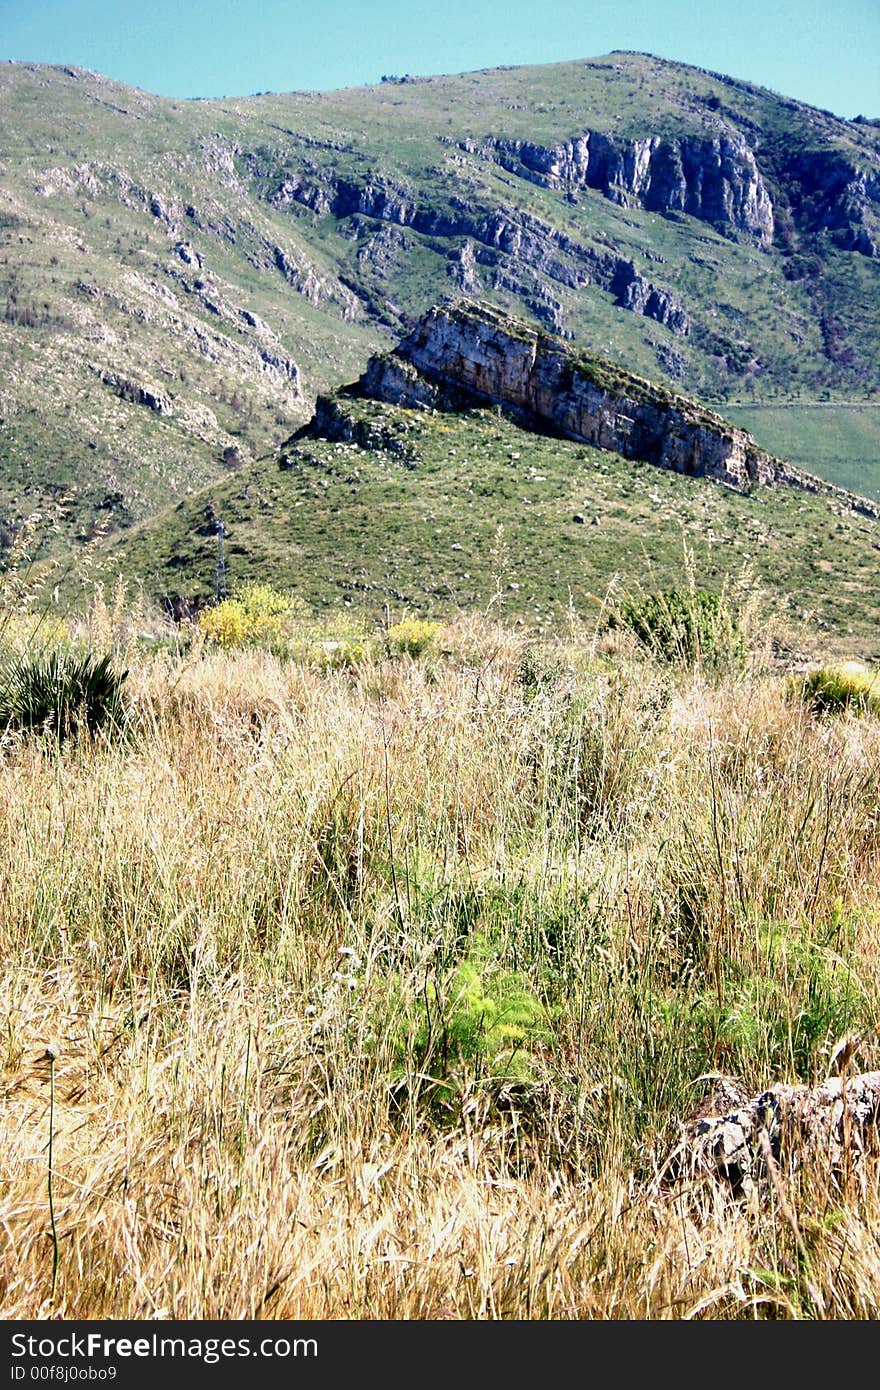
<point>839,442</point>
<point>381,988</point>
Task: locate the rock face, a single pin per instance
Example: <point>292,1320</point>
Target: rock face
<point>504,248</point>
<point>830,193</point>
<point>716,179</point>
<point>280,365</point>
<point>157,401</point>
<point>638,294</point>
<point>468,353</point>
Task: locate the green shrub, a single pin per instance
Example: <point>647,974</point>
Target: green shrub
<point>831,689</point>
<point>537,675</point>
<point>62,692</point>
<point>687,627</point>
<point>778,1020</point>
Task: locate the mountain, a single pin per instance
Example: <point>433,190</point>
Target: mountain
<point>180,280</point>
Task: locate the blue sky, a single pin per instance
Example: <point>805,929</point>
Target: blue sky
<point>826,52</point>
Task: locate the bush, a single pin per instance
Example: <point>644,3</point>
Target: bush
<point>479,1020</point>
<point>685,626</point>
<point>779,1020</point>
<point>62,693</point>
<point>260,616</point>
<point>412,636</point>
<point>831,689</point>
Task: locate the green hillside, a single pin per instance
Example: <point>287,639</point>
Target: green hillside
<point>839,441</point>
<point>444,513</point>
<point>227,260</point>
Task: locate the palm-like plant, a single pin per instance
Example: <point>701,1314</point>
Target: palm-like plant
<point>62,692</point>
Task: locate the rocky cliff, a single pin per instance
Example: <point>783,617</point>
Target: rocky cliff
<point>716,180</point>
<point>468,353</point>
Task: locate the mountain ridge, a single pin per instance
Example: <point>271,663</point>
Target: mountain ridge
<point>465,354</point>
<point>411,492</point>
<point>232,259</point>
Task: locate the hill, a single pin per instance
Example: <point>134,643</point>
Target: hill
<point>179,280</point>
<point>413,491</point>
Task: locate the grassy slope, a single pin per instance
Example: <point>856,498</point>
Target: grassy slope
<point>384,993</point>
<point>345,525</point>
<point>839,442</point>
<point>90,279</point>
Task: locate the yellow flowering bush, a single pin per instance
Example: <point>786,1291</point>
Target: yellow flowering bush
<point>412,636</point>
<point>23,632</point>
<point>260,616</point>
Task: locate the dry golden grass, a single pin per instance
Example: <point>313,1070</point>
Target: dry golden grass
<point>235,931</point>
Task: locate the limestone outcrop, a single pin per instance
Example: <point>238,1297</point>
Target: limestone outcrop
<point>716,180</point>
<point>158,401</point>
<point>468,352</point>
<point>739,1139</point>
<point>518,251</point>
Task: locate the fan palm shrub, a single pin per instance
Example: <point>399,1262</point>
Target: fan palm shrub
<point>62,692</point>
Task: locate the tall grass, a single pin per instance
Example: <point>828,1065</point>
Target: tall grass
<point>383,991</point>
